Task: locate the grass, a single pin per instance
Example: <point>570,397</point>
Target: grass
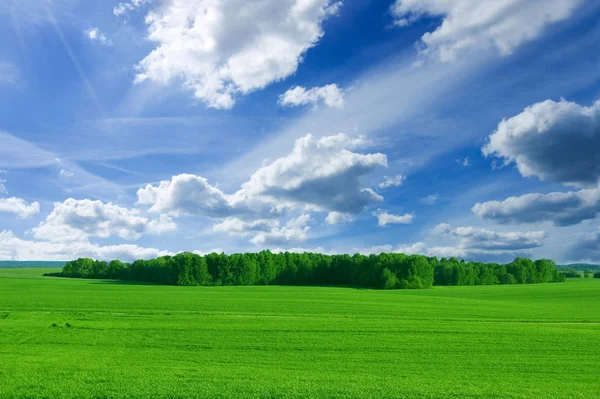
<point>69,338</point>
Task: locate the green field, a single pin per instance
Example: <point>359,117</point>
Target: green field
<point>72,338</point>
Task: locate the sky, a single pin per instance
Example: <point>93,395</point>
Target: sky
<point>136,129</point>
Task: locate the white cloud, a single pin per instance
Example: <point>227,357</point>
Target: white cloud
<point>481,239</point>
<point>478,244</point>
<point>3,189</point>
<point>95,34</point>
<point>319,174</point>
<point>394,181</point>
<point>475,25</point>
<point>338,218</point>
<point>331,95</point>
<point>236,226</point>
<point>222,49</point>
<point>14,248</point>
<point>384,218</point>
<point>18,206</point>
<point>210,251</point>
<point>431,199</point>
<point>418,248</point>
<point>422,248</point>
<point>561,209</point>
<point>294,230</point>
<point>187,194</point>
<point>123,8</point>
<point>558,141</point>
<point>76,220</point>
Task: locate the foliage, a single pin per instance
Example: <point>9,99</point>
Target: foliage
<point>384,271</point>
<point>571,273</point>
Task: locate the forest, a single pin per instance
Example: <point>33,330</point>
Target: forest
<point>383,271</point>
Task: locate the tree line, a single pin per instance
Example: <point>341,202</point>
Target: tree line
<point>383,271</point>
<point>570,272</point>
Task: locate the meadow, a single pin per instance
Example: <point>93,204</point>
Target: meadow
<point>79,338</point>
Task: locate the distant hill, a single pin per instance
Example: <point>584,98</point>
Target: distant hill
<point>580,266</point>
<point>17,264</point>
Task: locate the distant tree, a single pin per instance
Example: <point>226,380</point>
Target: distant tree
<point>572,273</point>
<point>387,271</point>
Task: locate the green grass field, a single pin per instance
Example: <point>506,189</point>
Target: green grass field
<point>69,338</point>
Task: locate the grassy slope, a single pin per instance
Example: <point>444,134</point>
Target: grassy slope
<point>128,340</point>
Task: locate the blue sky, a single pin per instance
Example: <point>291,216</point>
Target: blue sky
<point>149,127</point>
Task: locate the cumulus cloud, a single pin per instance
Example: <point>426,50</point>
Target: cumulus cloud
<point>418,248</point>
<point>477,244</point>
<point>561,209</point>
<point>474,25</point>
<point>586,249</point>
<point>187,194</point>
<point>14,248</point>
<point>319,174</point>
<point>473,238</point>
<point>222,49</point>
<point>338,218</point>
<point>76,220</point>
<point>330,95</point>
<point>95,34</point>
<point>384,218</point>
<point>557,141</point>
<point>294,230</point>
<point>18,206</point>
<point>210,251</point>
<point>394,181</point>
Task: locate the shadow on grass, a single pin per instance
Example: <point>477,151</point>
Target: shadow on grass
<point>134,282</point>
<point>57,274</point>
<point>130,282</point>
<point>102,281</point>
<point>122,282</point>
